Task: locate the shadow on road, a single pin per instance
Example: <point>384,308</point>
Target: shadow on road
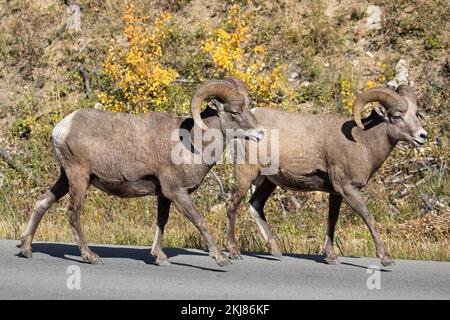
<point>316,258</point>
<point>268,256</point>
<point>197,267</point>
<point>60,250</point>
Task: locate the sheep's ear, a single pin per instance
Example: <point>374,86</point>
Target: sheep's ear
<point>382,112</point>
<point>215,104</point>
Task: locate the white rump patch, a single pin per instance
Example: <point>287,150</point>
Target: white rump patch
<point>62,129</point>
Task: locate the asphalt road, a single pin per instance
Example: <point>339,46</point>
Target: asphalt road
<point>130,273</point>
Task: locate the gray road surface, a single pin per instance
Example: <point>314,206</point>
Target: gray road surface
<point>130,273</point>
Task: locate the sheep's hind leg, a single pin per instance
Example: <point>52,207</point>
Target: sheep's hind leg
<point>78,185</point>
<point>257,202</point>
<point>56,192</point>
<point>161,220</point>
<point>334,205</point>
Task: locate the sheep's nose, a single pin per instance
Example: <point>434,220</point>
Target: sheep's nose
<point>260,134</point>
<point>423,135</point>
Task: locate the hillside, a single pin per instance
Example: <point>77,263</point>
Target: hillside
<point>323,53</point>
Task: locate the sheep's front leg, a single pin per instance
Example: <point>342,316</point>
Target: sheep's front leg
<point>334,205</point>
<point>356,201</point>
<point>161,221</point>
<point>78,185</point>
<point>244,176</point>
<point>183,203</point>
<point>233,203</point>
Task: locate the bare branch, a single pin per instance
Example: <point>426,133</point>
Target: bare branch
<point>223,193</point>
<point>86,82</point>
<point>16,166</point>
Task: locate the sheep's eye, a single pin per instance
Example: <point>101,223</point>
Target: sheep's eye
<point>234,113</point>
<point>397,117</point>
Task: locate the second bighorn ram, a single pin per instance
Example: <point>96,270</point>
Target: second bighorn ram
<point>330,153</point>
<point>131,156</point>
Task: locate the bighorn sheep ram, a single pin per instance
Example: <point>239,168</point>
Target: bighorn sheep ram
<point>330,153</point>
<point>130,156</point>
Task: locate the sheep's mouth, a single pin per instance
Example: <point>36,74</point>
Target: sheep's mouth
<point>251,134</point>
<point>418,143</point>
<point>252,138</point>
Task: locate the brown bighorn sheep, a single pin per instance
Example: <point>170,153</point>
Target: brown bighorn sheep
<point>130,156</point>
<point>330,153</point>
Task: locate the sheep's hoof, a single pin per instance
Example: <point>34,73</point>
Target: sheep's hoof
<point>222,261</point>
<point>92,259</point>
<point>235,256</point>
<point>388,262</point>
<point>25,248</point>
<point>96,261</point>
<point>277,255</point>
<point>26,253</point>
<point>332,261</point>
<point>163,262</point>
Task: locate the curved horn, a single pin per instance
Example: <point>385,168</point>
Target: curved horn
<point>387,97</point>
<point>407,92</point>
<point>239,84</point>
<point>242,87</point>
<point>222,89</point>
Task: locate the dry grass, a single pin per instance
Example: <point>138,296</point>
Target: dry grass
<point>132,222</point>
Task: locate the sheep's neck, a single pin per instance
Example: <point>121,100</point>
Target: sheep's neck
<point>378,144</point>
<point>212,122</point>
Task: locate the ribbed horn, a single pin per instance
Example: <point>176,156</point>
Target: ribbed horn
<point>407,92</point>
<point>221,89</point>
<point>388,98</point>
<point>243,89</point>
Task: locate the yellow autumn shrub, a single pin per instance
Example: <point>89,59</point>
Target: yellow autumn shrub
<point>347,97</point>
<point>139,79</point>
<point>229,49</point>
